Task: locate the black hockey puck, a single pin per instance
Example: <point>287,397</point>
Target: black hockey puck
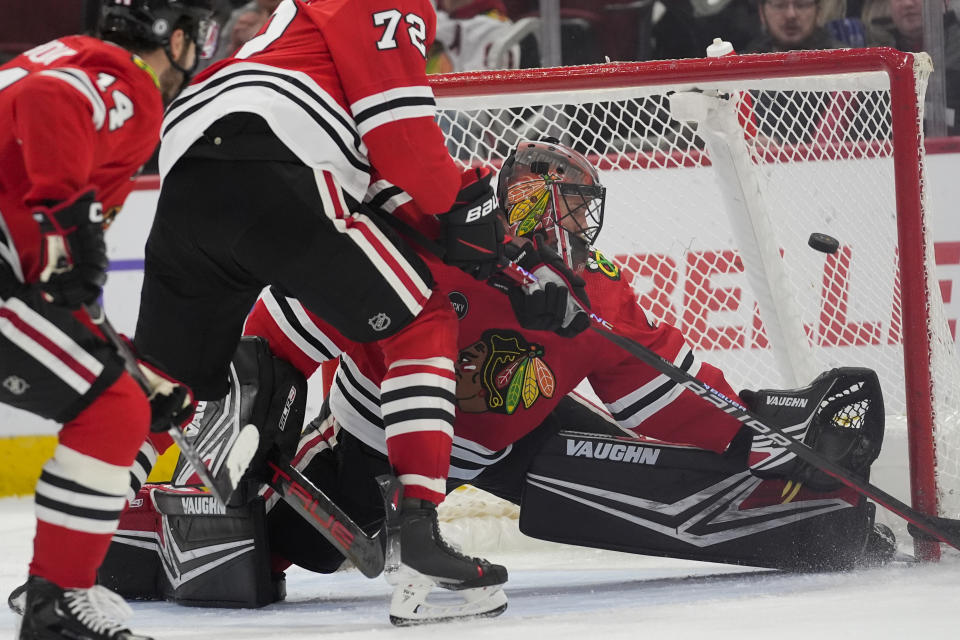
<point>823,243</point>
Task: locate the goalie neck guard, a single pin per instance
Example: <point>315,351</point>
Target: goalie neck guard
<point>548,187</point>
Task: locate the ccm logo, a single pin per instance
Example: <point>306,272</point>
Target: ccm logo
<point>481,210</point>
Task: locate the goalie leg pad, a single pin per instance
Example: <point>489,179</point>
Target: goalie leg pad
<point>655,499</point>
<point>261,416</point>
<point>181,544</point>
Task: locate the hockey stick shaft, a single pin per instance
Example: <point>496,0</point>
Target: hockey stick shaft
<point>325,516</point>
<point>943,529</point>
<point>99,317</point>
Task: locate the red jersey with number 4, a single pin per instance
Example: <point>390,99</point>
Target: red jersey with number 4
<point>75,113</point>
<point>342,83</point>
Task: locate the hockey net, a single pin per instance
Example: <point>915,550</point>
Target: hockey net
<point>717,172</point>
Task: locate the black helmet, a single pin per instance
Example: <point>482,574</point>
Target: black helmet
<point>149,23</point>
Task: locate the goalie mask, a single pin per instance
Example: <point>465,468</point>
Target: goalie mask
<point>548,187</point>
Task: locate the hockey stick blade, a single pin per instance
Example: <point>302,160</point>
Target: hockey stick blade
<point>943,529</point>
<point>99,317</point>
<point>364,551</point>
<point>946,524</point>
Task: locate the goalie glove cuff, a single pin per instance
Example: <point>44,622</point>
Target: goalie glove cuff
<point>557,301</point>
<point>171,402</point>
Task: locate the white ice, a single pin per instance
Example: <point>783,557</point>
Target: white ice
<point>560,592</point>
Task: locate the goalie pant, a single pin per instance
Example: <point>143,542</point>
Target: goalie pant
<point>555,473</point>
<point>53,363</point>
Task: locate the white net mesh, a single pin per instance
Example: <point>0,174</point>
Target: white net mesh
<point>710,220</point>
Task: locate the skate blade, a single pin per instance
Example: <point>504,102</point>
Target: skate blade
<point>410,607</point>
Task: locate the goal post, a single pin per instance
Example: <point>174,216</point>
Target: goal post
<point>717,171</point>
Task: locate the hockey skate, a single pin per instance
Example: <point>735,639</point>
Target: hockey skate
<point>418,560</point>
<point>52,613</point>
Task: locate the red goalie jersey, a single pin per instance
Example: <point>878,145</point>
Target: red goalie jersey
<point>74,113</point>
<point>342,83</point>
<point>510,378</point>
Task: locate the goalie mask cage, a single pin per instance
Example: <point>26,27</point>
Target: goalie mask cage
<point>717,172</point>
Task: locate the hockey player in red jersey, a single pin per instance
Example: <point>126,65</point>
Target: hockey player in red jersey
<point>79,116</point>
<point>704,489</point>
<point>283,137</point>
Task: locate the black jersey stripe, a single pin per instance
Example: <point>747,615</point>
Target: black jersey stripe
<point>296,82</point>
<point>421,413</point>
<point>69,485</point>
<point>383,196</point>
<point>390,105</point>
<point>79,512</point>
<point>297,325</point>
<point>358,406</point>
<point>348,154</point>
<point>654,395</point>
<point>346,369</point>
<point>404,393</point>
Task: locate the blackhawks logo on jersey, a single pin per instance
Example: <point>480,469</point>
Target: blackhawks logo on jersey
<point>500,372</point>
<point>596,261</point>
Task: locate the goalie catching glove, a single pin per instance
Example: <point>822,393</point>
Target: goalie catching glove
<point>839,415</point>
<point>73,254</point>
<point>472,231</point>
<point>557,301</point>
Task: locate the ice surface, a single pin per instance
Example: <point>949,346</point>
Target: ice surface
<point>570,593</point>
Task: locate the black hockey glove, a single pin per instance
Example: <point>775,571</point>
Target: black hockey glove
<point>73,254</point>
<point>557,302</point>
<point>472,231</point>
<point>171,403</point>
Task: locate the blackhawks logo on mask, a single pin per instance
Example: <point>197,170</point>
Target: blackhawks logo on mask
<point>500,372</point>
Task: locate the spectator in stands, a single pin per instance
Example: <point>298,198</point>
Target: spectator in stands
<point>467,32</point>
<point>789,25</point>
<point>687,27</point>
<point>903,29</point>
<point>243,24</point>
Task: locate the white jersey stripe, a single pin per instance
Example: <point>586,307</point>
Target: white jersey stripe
<point>360,229</point>
<point>293,333</point>
<point>635,395</point>
<point>433,484</point>
<point>53,333</point>
<point>41,353</point>
<point>81,500</point>
<point>88,471</point>
<point>377,99</point>
<point>396,383</point>
<point>76,523</point>
<point>300,113</point>
<point>439,362</point>
<point>82,83</point>
<point>393,115</point>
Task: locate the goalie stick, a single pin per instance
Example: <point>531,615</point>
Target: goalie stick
<point>365,552</point>
<point>945,530</point>
<point>99,317</point>
<point>920,525</point>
